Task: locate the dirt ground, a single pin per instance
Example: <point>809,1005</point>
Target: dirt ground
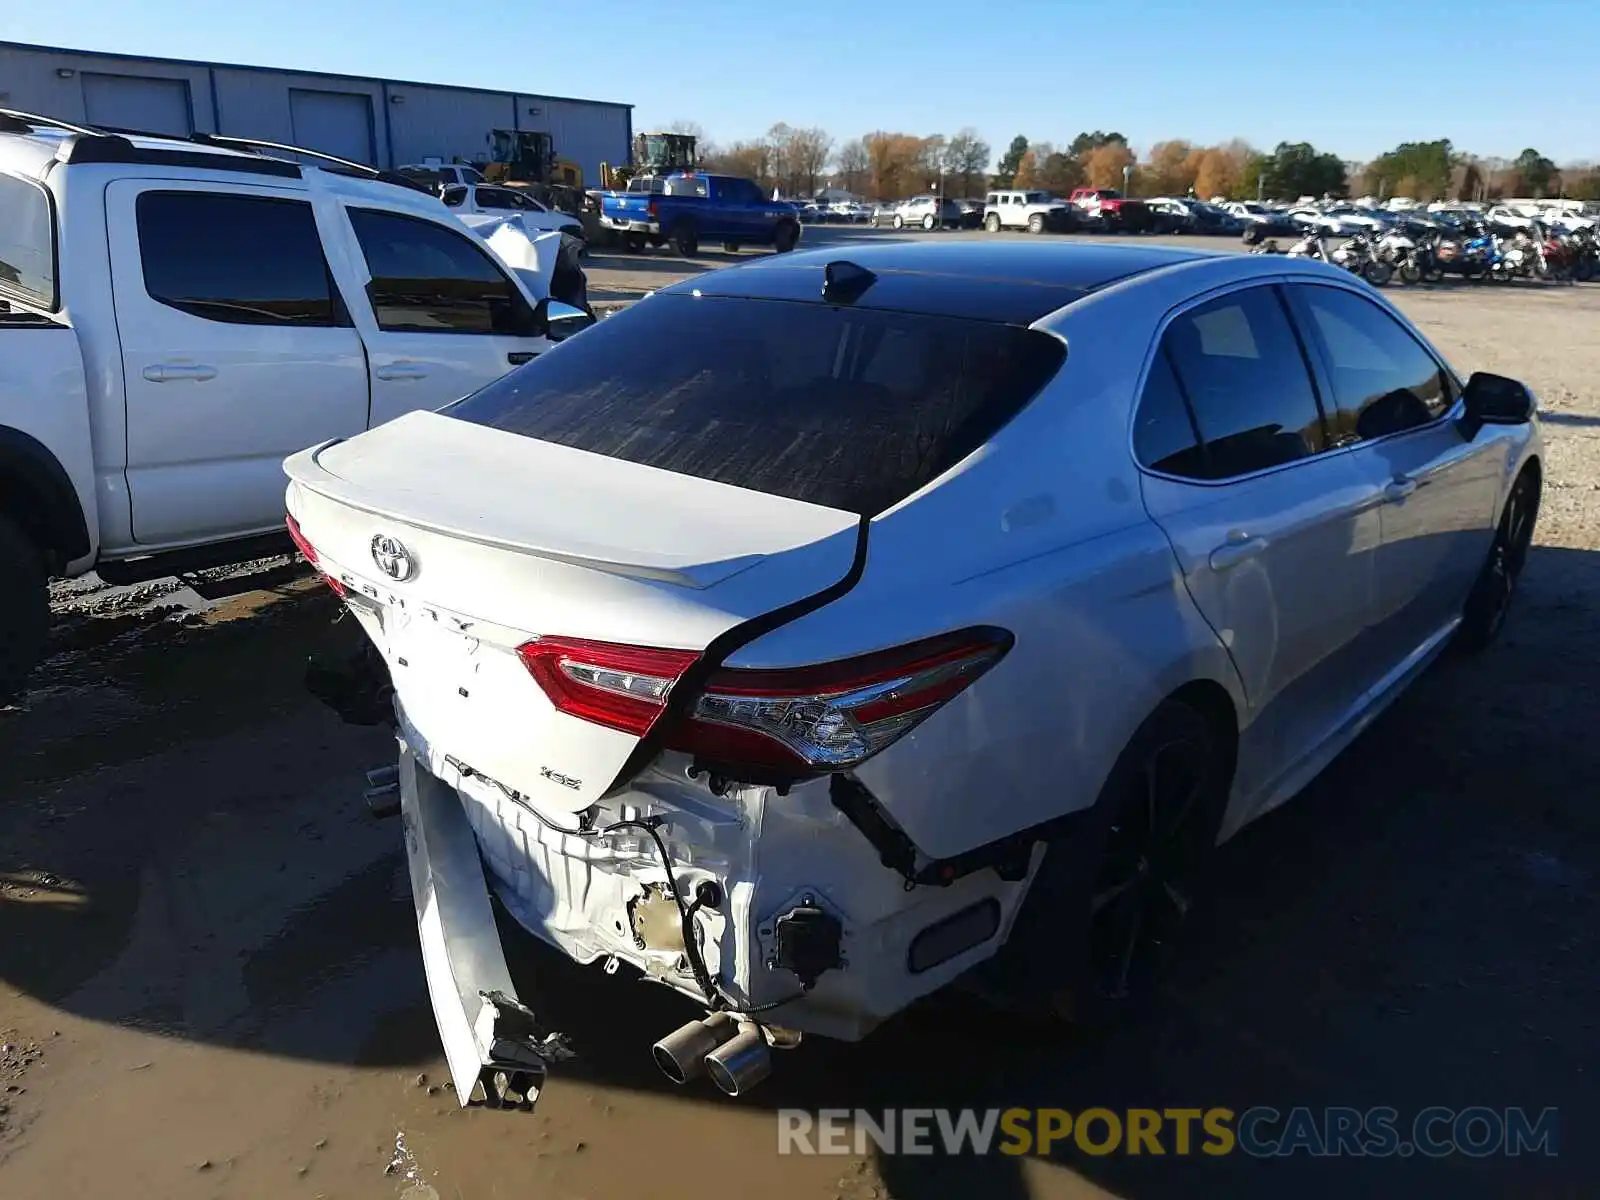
<point>210,985</point>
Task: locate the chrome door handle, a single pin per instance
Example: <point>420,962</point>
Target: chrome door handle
<point>1238,548</point>
<point>172,372</point>
<point>1398,488</point>
<point>401,372</point>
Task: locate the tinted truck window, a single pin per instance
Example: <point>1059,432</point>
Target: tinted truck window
<point>27,242</point>
<point>240,260</point>
<point>852,409</point>
<point>429,279</point>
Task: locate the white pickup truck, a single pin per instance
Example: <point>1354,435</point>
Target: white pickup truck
<point>176,317</point>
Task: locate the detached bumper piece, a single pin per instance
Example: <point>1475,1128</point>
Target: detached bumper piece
<point>497,1052</point>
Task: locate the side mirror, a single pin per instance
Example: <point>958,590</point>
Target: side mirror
<point>1496,400</point>
<point>558,321</point>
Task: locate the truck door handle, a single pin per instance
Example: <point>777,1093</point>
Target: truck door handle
<point>1398,488</point>
<point>517,357</point>
<point>401,371</point>
<point>1240,547</point>
<point>172,372</point>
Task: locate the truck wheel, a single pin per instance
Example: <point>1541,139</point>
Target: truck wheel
<point>730,247</point>
<point>24,609</point>
<point>899,221</point>
<point>992,222</point>
<point>1036,223</point>
<point>928,222</point>
<point>685,241</point>
<point>633,243</point>
<point>785,237</point>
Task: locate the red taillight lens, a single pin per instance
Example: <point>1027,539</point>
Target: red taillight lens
<point>620,687</point>
<point>651,209</point>
<point>832,716</point>
<point>309,553</point>
<point>806,720</point>
<point>307,550</point>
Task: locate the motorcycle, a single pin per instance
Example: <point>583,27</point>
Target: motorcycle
<point>1359,255</point>
<point>1585,255</point>
<point>1398,250</point>
<point>1482,256</point>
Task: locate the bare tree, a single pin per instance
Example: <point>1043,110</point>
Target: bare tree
<point>808,152</point>
<point>853,165</point>
<point>967,157</point>
<point>691,128</point>
<point>779,141</point>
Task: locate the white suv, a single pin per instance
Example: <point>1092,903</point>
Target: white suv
<point>1037,212</point>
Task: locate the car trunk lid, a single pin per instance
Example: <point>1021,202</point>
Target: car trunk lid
<point>461,543</point>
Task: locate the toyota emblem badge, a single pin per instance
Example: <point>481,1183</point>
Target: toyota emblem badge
<point>393,559</point>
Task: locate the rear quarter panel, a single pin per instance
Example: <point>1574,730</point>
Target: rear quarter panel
<point>1044,533</point>
<point>44,398</point>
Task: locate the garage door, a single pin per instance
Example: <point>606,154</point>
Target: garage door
<point>135,102</point>
<point>334,122</point>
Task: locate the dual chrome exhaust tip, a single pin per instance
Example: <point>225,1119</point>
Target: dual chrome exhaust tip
<point>735,1055</point>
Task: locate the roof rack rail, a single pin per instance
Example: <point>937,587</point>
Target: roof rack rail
<point>14,120</point>
<point>340,165</point>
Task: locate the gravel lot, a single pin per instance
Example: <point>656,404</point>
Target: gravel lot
<point>209,982</point>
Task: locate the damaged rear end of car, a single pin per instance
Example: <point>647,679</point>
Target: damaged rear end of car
<point>568,578</point>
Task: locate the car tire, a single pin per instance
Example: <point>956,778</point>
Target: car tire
<point>685,241</point>
<point>24,608</point>
<point>634,243</point>
<point>1036,223</point>
<point>785,237</point>
<point>899,222</point>
<point>1489,603</point>
<point>929,223</point>
<point>1068,957</point>
<point>730,247</point>
<point>992,222</point>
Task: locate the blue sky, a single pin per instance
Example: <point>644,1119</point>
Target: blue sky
<point>1492,75</point>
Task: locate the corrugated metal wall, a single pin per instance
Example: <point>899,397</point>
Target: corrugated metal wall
<point>31,80</point>
<point>589,134</point>
<point>439,122</point>
<point>410,121</point>
<point>256,103</point>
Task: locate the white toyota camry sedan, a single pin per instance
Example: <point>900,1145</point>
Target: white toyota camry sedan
<point>821,630</point>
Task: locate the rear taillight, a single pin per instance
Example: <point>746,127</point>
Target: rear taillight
<point>309,553</point>
<point>620,687</point>
<point>650,208</point>
<point>796,720</point>
<point>834,715</point>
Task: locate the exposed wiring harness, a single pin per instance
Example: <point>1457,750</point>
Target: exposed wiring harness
<point>715,998</point>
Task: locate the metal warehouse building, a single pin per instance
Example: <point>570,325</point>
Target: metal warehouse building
<point>384,122</point>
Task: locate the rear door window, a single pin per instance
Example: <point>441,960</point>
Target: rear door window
<point>1237,364</point>
<point>853,409</point>
<point>235,259</point>
<point>27,242</point>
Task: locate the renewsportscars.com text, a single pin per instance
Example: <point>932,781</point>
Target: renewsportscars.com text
<point>1260,1131</point>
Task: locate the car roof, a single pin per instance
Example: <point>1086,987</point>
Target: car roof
<point>1009,282</point>
<point>36,152</point>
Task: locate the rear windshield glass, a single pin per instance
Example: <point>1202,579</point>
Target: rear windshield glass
<point>27,242</point>
<point>853,409</point>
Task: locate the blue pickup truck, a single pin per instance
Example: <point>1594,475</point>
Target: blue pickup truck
<point>688,208</point>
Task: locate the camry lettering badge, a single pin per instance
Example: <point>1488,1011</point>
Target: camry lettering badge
<point>392,557</point>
